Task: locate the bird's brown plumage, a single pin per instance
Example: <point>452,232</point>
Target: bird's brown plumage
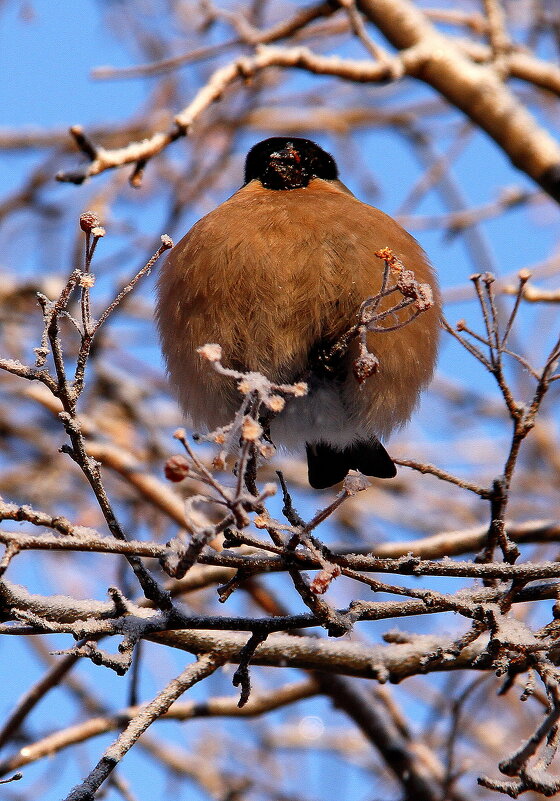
<point>272,276</point>
<point>268,275</point>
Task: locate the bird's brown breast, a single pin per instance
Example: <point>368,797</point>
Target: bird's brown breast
<point>270,274</point>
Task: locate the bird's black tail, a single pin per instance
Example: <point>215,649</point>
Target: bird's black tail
<point>327,465</point>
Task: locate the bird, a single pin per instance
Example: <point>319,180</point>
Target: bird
<point>276,275</point>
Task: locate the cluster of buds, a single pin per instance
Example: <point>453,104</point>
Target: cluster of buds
<point>91,224</point>
<point>410,295</point>
<point>416,296</point>
<point>262,400</point>
<point>405,281</point>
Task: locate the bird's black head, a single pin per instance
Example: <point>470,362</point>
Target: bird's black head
<point>286,162</point>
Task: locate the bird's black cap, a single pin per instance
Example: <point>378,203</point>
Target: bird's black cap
<point>283,162</point>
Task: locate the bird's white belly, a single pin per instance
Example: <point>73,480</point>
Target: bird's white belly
<point>320,416</point>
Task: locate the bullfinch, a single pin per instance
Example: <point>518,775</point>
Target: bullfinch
<point>276,275</point>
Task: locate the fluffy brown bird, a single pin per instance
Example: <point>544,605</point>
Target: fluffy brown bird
<point>276,275</point>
